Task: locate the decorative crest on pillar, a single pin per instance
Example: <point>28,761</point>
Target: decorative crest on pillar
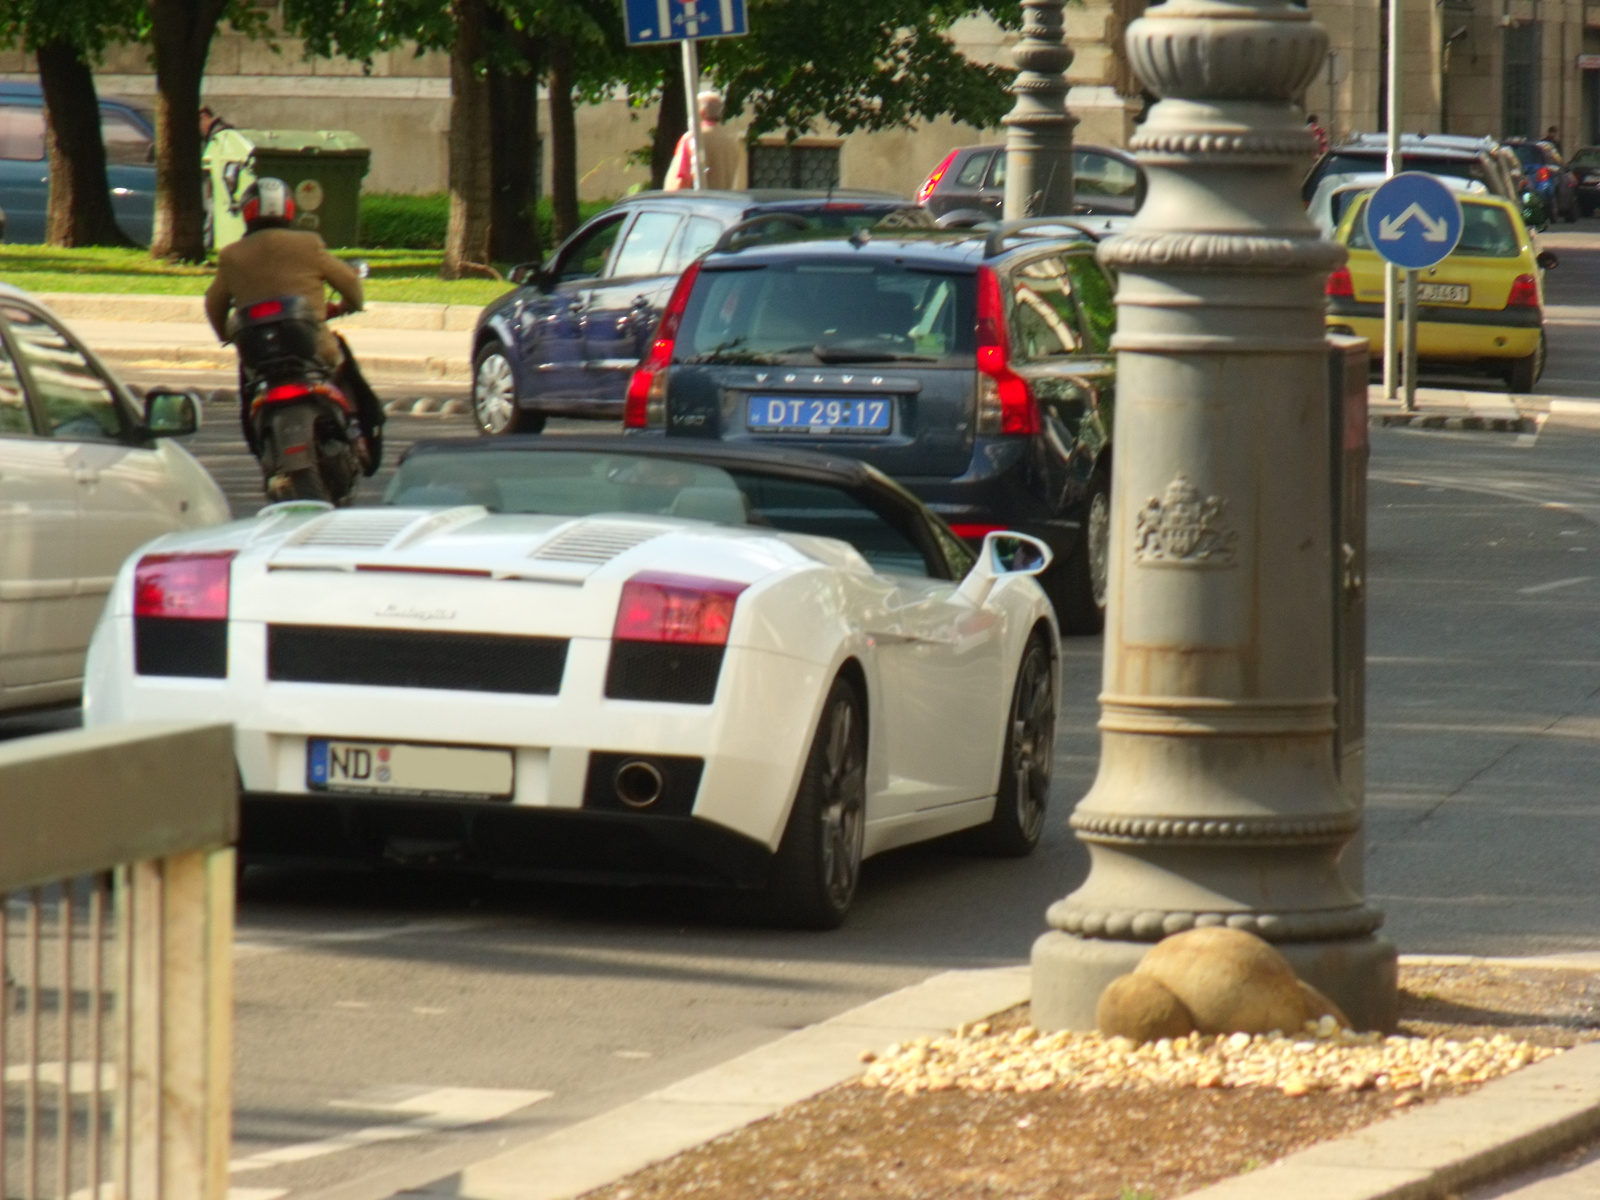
<point>1039,127</point>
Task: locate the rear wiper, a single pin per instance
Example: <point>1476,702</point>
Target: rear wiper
<point>839,354</point>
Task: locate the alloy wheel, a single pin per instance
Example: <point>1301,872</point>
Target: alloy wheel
<point>1033,737</point>
<point>1098,532</point>
<point>494,394</point>
<point>843,803</point>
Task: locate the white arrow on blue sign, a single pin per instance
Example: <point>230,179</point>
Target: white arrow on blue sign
<point>651,22</point>
<point>1413,220</point>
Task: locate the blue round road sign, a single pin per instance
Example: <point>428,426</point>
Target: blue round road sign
<point>1413,220</point>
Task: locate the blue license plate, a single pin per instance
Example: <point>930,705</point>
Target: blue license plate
<point>820,414</point>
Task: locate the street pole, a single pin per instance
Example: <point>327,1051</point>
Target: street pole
<point>1392,167</point>
<point>691,87</point>
<point>1039,128</point>
<point>1410,374</point>
<point>1216,802</point>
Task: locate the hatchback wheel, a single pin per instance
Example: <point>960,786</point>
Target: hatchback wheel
<point>1077,587</point>
<point>494,394</point>
<point>1523,373</point>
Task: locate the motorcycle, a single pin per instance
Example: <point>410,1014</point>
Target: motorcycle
<point>305,429</point>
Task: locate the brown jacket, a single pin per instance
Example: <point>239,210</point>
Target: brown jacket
<point>280,262</point>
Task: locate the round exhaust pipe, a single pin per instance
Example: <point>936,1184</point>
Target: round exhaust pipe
<point>639,784</point>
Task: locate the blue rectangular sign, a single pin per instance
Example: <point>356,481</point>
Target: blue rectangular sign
<point>651,22</point>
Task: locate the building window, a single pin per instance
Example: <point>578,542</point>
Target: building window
<point>1519,115</point>
<point>782,165</point>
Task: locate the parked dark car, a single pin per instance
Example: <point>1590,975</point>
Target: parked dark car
<point>129,134</point>
<point>972,179</point>
<point>1542,164</point>
<point>565,342</point>
<point>974,368</point>
<point>1585,167</point>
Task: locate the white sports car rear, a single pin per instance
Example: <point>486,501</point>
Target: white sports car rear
<point>605,658</point>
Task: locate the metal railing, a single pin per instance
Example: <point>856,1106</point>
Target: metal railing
<point>116,931</point>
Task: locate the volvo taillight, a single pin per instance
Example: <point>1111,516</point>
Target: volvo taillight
<point>646,405</point>
<point>191,587</point>
<point>1524,292</point>
<point>686,609</point>
<point>1005,402</point>
<point>932,181</point>
<point>1340,284</point>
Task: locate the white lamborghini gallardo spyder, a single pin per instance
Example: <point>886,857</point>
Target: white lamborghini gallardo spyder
<point>605,658</point>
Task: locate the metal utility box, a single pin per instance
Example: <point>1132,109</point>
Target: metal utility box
<point>1348,368</point>
<point>323,168</point>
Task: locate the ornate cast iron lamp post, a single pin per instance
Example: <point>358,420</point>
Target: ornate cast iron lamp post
<point>1039,128</point>
<point>1216,802</point>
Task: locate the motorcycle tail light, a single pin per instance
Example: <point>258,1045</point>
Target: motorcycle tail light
<point>686,609</point>
<point>191,587</point>
<point>286,391</point>
<point>646,405</point>
<point>932,181</point>
<point>267,308</point>
<point>1340,284</point>
<point>1005,402</point>
<point>1524,292</point>
<point>1544,174</point>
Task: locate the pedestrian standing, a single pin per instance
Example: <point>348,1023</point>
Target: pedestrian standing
<point>1318,132</point>
<point>721,151</point>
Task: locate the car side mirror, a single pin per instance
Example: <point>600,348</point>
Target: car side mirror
<point>361,267</point>
<point>171,412</point>
<point>1547,260</point>
<point>1004,553</point>
<point>530,274</point>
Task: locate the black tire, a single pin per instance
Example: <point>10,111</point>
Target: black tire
<point>1077,585</point>
<point>1523,373</point>
<point>1024,790</point>
<point>307,485</point>
<point>1572,212</point>
<point>494,394</point>
<point>818,864</point>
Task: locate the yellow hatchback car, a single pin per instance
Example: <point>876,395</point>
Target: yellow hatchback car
<point>1481,308</point>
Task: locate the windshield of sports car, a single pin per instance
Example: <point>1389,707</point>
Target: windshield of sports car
<point>829,312</point>
<point>584,483</point>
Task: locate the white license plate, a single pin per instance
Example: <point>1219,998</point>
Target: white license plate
<point>1447,293</point>
<point>385,767</point>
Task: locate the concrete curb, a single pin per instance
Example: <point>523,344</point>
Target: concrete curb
<point>602,1149</point>
<point>381,367</point>
<point>1425,1154</point>
<point>1442,421</point>
<point>141,308</point>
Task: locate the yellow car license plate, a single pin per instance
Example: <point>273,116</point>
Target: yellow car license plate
<point>1443,293</point>
<point>403,767</point>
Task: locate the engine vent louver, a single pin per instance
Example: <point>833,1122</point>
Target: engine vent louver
<point>595,542</point>
<point>366,530</point>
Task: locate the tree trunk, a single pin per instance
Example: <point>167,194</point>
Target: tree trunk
<point>515,152</point>
<point>466,246</point>
<point>181,35</point>
<point>80,211</point>
<point>672,122</point>
<point>563,138</point>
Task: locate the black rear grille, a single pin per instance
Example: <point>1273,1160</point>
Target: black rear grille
<point>460,662</point>
<point>663,671</point>
<point>195,649</point>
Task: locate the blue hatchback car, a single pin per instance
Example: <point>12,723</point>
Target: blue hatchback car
<point>129,134</point>
<point>566,341</point>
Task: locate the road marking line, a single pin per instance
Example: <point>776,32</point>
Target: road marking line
<point>436,1110</point>
<point>277,941</point>
<point>256,1193</point>
<point>1537,588</point>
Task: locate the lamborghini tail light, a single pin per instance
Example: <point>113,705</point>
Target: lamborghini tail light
<point>1524,292</point>
<point>932,181</point>
<point>686,609</point>
<point>646,406</point>
<point>1005,402</point>
<point>191,587</point>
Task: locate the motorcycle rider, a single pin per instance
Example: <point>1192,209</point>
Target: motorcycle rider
<point>274,259</point>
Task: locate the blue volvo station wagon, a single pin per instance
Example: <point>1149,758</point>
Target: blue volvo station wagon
<point>129,134</point>
<point>566,341</point>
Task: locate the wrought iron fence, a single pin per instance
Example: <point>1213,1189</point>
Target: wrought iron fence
<point>116,930</point>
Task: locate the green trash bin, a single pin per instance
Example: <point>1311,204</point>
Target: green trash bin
<point>322,167</point>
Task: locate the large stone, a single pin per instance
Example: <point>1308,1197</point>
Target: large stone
<point>1142,1008</point>
<point>1230,981</point>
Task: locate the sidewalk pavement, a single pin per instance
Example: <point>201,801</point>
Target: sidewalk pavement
<point>414,343</point>
<point>1514,1123</point>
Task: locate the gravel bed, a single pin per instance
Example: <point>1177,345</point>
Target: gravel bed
<point>1146,1128</point>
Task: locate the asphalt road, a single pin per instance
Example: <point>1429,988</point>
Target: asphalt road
<point>376,1012</point>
